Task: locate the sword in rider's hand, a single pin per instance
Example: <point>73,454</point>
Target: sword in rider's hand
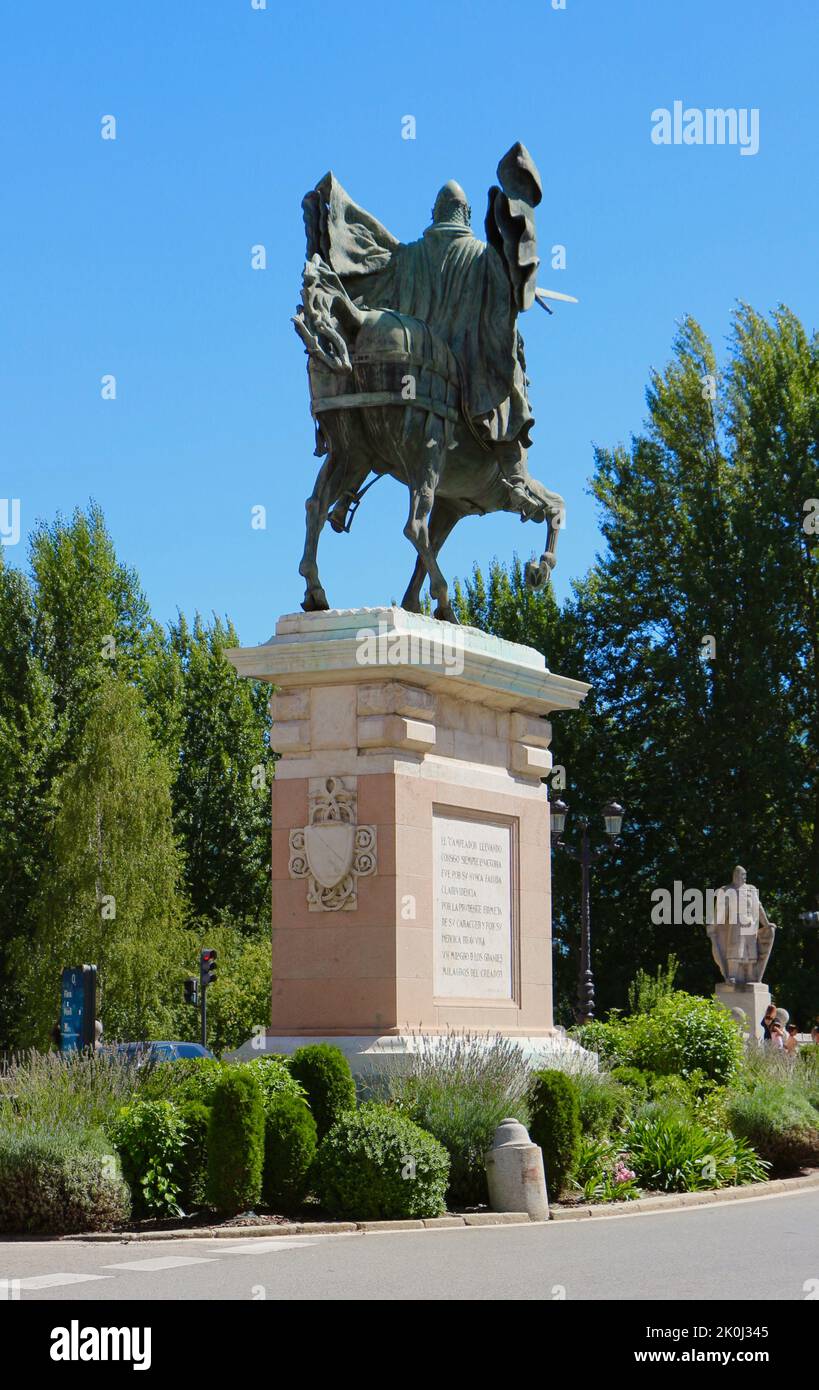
<point>542,295</point>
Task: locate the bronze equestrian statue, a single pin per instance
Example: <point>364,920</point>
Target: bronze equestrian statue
<point>416,369</point>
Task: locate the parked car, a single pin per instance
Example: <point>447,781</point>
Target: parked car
<point>156,1052</point>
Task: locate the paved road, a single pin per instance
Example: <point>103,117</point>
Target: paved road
<point>720,1252</point>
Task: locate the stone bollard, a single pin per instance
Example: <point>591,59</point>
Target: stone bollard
<point>514,1172</point>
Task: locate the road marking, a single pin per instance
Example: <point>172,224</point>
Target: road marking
<point>161,1262</point>
<point>53,1281</point>
<point>261,1247</point>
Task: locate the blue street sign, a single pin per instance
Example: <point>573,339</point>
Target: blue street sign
<point>77,1007</point>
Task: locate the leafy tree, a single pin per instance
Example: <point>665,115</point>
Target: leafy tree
<point>78,624</point>
<point>697,628</point>
<point>26,740</point>
<point>92,619</point>
<point>239,1001</point>
<point>221,790</point>
<point>108,887</point>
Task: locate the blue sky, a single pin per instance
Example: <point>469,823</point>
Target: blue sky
<point>132,256</point>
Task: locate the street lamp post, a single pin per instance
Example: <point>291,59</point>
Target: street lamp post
<point>585,855</point>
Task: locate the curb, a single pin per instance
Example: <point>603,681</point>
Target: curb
<point>641,1206</point>
<point>671,1201</point>
<point>312,1228</point>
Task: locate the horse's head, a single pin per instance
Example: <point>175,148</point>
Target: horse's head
<point>534,502</point>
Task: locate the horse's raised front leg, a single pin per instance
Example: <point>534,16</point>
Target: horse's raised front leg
<point>441,521</point>
<point>538,573</point>
<point>422,497</point>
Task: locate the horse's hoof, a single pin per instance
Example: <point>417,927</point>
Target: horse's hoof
<point>445,614</point>
<point>535,576</point>
<point>315,601</point>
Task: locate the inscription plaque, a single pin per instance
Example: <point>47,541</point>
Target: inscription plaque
<point>472,868</point>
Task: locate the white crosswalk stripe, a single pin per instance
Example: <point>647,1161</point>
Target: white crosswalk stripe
<point>163,1262</point>
<point>261,1247</point>
<point>53,1281</point>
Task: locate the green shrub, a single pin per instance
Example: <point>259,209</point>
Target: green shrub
<point>235,1142</point>
<point>601,1174</point>
<point>324,1074</point>
<point>646,991</point>
<point>672,1093</point>
<point>633,1079</point>
<point>603,1102</point>
<point>149,1136</point>
<point>459,1087</point>
<point>673,1154</point>
<point>186,1079</point>
<point>193,1166</point>
<point>684,1033</point>
<point>375,1164</point>
<point>694,1097</point>
<point>591,1157</point>
<point>779,1123</point>
<point>289,1152</point>
<point>606,1039</point>
<point>50,1185</point>
<point>275,1079</point>
<point>805,1075</point>
<point>555,1125</point>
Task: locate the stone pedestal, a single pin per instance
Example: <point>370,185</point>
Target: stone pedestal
<point>752,1000</point>
<point>411,854</point>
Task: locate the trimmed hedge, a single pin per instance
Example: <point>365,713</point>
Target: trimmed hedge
<point>324,1073</point>
<point>193,1168</point>
<point>289,1152</point>
<point>50,1187</point>
<point>376,1165</point>
<point>555,1125</point>
<point>603,1104</point>
<point>235,1143</point>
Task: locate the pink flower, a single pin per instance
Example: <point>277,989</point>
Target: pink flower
<point>622,1173</point>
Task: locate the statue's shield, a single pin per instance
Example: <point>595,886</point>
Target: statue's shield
<point>329,851</point>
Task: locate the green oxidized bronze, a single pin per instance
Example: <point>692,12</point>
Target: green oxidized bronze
<point>416,368</point>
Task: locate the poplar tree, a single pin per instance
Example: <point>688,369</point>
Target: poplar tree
<point>108,891</point>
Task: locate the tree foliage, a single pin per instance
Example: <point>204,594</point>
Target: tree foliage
<point>711,745</point>
<point>134,768</point>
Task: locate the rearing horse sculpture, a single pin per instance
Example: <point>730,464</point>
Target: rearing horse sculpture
<point>416,369</point>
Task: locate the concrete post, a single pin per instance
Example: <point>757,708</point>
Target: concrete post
<point>514,1171</point>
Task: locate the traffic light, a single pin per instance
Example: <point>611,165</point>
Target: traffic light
<point>207,976</point>
<point>207,968</point>
<point>191,990</point>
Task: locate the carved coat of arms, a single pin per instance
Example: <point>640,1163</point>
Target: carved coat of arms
<point>332,852</point>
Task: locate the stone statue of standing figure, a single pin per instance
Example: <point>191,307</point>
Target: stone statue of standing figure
<point>741,936</point>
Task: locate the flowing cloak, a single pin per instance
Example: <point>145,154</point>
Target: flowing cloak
<point>467,291</point>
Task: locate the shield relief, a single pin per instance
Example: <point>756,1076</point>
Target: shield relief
<point>329,850</point>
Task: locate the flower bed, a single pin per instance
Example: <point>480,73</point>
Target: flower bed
<point>677,1107</point>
